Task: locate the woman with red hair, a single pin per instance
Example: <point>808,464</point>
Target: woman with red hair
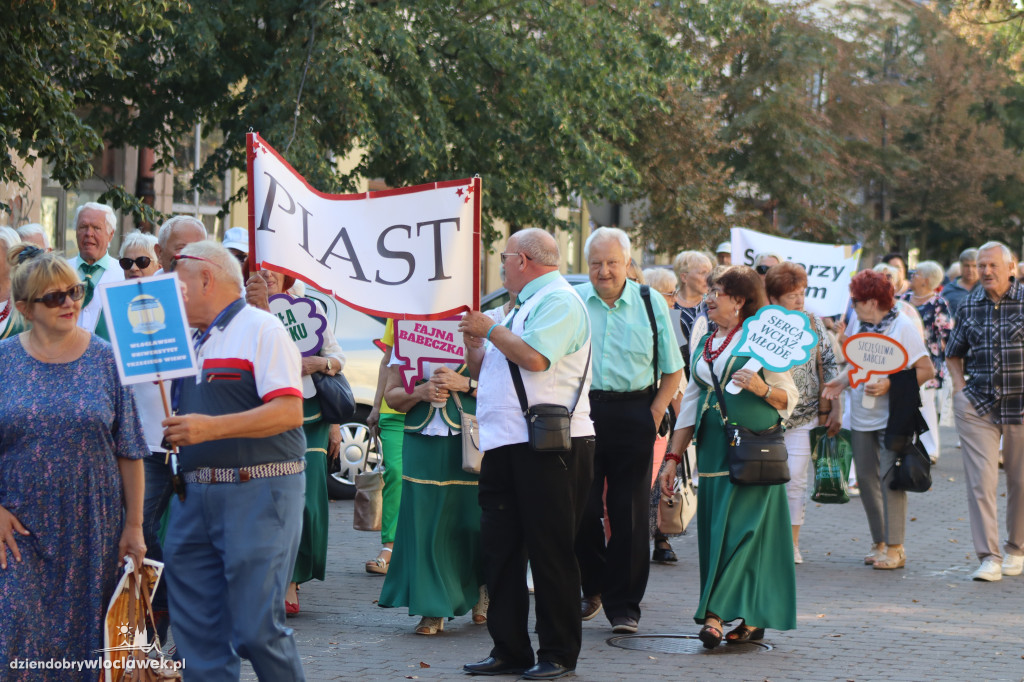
<point>873,301</point>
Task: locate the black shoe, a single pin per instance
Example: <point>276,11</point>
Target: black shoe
<point>664,555</point>
<point>493,666</point>
<point>546,670</point>
<point>624,625</point>
<point>590,607</point>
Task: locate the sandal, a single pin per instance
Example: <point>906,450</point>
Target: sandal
<point>896,558</point>
<point>663,552</point>
<point>877,552</point>
<point>480,609</point>
<point>379,565</point>
<point>429,626</point>
<point>744,633</point>
<point>710,635</point>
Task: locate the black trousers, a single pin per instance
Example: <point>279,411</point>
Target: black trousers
<point>623,457</point>
<point>531,503</point>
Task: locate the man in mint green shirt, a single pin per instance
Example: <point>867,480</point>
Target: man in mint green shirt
<point>627,407</point>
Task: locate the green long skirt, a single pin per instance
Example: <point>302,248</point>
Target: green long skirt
<point>744,540</point>
<point>311,562</point>
<point>436,568</point>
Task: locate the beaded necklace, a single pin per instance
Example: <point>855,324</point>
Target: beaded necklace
<point>7,311</point>
<point>711,355</point>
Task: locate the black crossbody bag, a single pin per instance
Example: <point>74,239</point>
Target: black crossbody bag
<point>548,425</point>
<point>754,457</point>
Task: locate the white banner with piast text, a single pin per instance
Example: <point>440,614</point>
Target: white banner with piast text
<point>406,253</point>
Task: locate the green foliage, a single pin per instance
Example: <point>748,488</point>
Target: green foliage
<point>53,55</point>
<point>537,96</point>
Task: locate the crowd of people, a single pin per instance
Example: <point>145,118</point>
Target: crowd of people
<point>575,390</point>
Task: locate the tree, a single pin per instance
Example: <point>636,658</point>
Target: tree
<point>51,56</point>
<point>538,97</point>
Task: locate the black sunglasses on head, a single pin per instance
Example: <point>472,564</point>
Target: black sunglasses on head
<point>142,261</point>
<point>763,269</point>
<point>55,299</point>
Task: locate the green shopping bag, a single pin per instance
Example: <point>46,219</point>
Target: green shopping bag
<point>831,457</point>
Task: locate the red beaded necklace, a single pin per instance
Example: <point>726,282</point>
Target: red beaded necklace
<point>712,355</point>
<point>7,311</point>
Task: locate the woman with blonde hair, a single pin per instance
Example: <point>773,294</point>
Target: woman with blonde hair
<point>10,324</point>
<point>692,269</point>
<point>71,480</point>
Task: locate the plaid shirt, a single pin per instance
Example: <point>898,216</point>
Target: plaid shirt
<point>990,338</point>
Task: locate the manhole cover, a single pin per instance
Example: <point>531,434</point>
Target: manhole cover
<point>684,644</point>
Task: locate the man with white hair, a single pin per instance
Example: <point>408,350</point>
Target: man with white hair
<point>174,235</point>
<point>985,358</point>
<point>236,523</point>
<point>94,230</point>
<point>34,233</point>
<point>8,327</point>
<point>634,348</point>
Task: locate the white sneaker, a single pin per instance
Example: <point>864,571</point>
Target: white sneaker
<point>989,571</point>
<point>798,558</point>
<point>1013,565</point>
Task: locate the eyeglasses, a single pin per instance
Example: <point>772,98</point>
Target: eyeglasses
<point>55,299</point>
<point>713,293</point>
<point>762,269</point>
<point>513,253</point>
<point>855,301</point>
<point>142,261</point>
<point>181,257</point>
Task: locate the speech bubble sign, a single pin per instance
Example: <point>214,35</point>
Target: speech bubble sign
<point>302,321</point>
<point>417,343</point>
<point>871,355</point>
<point>778,338</point>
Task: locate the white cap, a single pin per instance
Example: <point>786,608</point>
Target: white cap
<point>724,247</point>
<point>237,238</point>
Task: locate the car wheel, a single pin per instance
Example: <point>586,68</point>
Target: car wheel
<point>357,454</point>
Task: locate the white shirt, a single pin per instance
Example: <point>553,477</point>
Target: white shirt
<point>905,333</point>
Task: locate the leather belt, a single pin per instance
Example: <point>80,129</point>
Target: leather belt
<point>243,474</point>
<point>619,396</point>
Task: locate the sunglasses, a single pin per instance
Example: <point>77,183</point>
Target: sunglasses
<point>180,257</point>
<point>142,262</point>
<point>55,299</point>
<point>506,255</point>
<point>762,269</point>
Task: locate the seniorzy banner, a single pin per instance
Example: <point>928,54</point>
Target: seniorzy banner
<point>407,253</point>
<point>829,266</point>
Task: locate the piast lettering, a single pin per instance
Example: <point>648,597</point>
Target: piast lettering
<point>279,201</point>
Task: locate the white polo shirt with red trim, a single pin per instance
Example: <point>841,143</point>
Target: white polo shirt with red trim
<point>247,360</point>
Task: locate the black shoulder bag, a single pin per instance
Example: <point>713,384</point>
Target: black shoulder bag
<point>669,419</point>
<point>548,425</point>
<point>755,457</point>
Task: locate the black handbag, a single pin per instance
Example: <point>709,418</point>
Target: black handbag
<point>912,470</point>
<point>548,425</point>
<point>337,405</point>
<point>754,457</point>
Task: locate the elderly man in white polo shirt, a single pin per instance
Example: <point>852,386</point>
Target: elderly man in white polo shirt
<point>532,499</point>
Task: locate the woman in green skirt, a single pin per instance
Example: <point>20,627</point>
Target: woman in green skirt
<point>436,569</point>
<point>743,532</point>
<point>311,561</point>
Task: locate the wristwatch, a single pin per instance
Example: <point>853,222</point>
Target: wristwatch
<point>473,383</point>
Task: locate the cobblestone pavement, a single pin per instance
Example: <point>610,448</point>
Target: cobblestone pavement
<point>928,621</point>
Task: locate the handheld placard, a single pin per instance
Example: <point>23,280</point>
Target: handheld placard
<point>775,338</point>
<point>417,344</point>
<point>872,355</point>
<point>305,325</point>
